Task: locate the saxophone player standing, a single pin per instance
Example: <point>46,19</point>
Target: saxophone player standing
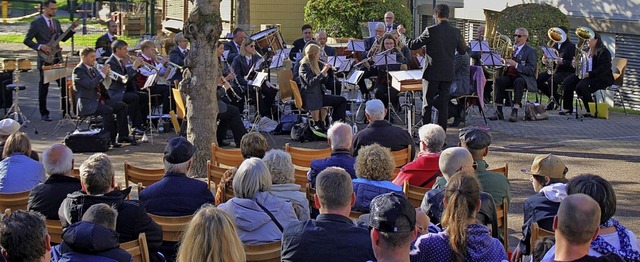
<point>44,29</point>
<point>441,41</point>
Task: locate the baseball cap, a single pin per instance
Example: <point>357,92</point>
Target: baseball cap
<point>474,138</point>
<point>388,211</point>
<point>179,150</point>
<point>374,107</point>
<point>8,126</point>
<point>547,165</point>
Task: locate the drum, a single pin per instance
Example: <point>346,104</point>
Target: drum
<point>24,64</point>
<point>8,64</point>
<point>270,38</point>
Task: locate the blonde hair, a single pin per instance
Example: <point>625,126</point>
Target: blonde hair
<point>462,195</point>
<point>211,236</point>
<point>310,58</point>
<point>252,177</point>
<point>147,44</point>
<point>374,162</point>
<point>247,41</point>
<point>17,142</point>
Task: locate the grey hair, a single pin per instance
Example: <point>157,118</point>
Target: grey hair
<point>177,168</point>
<point>280,166</point>
<point>380,25</point>
<point>526,32</point>
<point>433,136</point>
<point>179,37</point>
<point>252,177</point>
<point>340,135</point>
<point>57,159</point>
<point>96,173</point>
<point>453,159</point>
<point>101,214</point>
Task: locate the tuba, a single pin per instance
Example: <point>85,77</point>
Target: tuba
<point>556,35</point>
<point>581,60</point>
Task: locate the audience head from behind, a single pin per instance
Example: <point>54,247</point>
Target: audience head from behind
<point>280,166</point>
<point>393,227</point>
<point>462,202</point>
<point>432,138</point>
<point>24,237</point>
<point>334,192</point>
<point>101,214</point>
<point>253,144</point>
<point>58,160</point>
<point>576,225</point>
<point>18,142</point>
<point>8,126</point>
<point>252,177</point>
<point>339,136</point>
<point>475,140</point>
<point>597,188</point>
<point>374,110</point>
<point>178,155</point>
<point>97,175</point>
<point>455,159</point>
<point>546,170</point>
<point>211,236</point>
<point>374,162</point>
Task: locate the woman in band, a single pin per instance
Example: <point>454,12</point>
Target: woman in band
<point>313,90</point>
<point>404,49</point>
<point>228,114</point>
<point>597,76</point>
<point>381,86</point>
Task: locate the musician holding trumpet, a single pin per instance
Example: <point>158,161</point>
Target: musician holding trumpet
<point>178,54</point>
<point>371,46</point>
<point>559,68</point>
<point>153,65</point>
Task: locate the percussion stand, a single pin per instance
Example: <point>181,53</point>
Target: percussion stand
<point>14,112</point>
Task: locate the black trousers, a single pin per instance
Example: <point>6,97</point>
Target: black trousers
<point>43,90</point>
<point>231,119</point>
<point>437,95</point>
<point>163,91</point>
<point>119,126</point>
<point>583,88</point>
<point>133,108</point>
<point>339,104</point>
<point>381,92</point>
<point>544,83</point>
<point>266,99</point>
<point>503,83</point>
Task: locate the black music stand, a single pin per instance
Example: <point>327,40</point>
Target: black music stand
<point>257,82</point>
<point>491,59</point>
<point>550,53</point>
<point>384,59</point>
<point>355,46</point>
<point>279,57</point>
<point>151,80</point>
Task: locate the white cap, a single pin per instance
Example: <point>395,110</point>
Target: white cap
<point>8,126</point>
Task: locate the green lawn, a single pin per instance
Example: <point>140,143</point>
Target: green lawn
<point>79,40</point>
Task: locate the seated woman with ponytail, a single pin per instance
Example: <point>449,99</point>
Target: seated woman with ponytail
<point>463,239</point>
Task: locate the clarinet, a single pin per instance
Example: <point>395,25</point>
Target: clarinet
<point>235,80</point>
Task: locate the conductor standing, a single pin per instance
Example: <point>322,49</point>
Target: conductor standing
<point>441,41</point>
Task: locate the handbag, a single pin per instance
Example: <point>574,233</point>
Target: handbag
<point>535,112</point>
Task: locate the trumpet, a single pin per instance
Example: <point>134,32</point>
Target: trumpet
<point>374,48</point>
<point>171,64</point>
<point>113,75</point>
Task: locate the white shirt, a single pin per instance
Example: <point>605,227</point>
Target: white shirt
<point>146,72</point>
<point>110,36</point>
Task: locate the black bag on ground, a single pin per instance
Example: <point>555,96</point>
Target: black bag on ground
<point>88,141</point>
<point>535,112</point>
<point>286,124</point>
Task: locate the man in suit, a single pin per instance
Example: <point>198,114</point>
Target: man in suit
<point>520,74</point>
<point>118,90</point>
<point>370,43</point>
<point>44,29</point>
<point>332,83</point>
<point>103,43</point>
<point>300,43</point>
<point>93,98</point>
<point>178,54</point>
<point>566,52</point>
<point>234,46</point>
<point>389,26</point>
<point>441,41</point>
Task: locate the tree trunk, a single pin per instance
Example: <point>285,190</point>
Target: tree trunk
<point>243,14</point>
<point>202,28</point>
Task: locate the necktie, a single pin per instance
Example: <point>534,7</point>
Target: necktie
<point>93,73</point>
<point>124,66</point>
<point>50,22</point>
<point>515,52</point>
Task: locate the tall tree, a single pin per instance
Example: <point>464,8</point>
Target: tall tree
<point>202,28</point>
<point>243,14</point>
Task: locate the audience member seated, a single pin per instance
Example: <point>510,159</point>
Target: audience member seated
<point>576,226</point>
<point>541,247</point>
<point>374,168</point>
<point>211,236</point>
<point>9,126</point>
<point>47,197</point>
<point>456,160</point>
<point>613,238</point>
<point>252,144</point>
<point>332,236</point>
<point>18,172</point>
<point>259,215</point>
<point>381,131</point>
<point>463,239</point>
<point>283,181</point>
<point>99,186</point>
<point>23,237</point>
<point>339,137</point>
<point>92,239</point>
<point>548,178</point>
<point>424,170</point>
<point>393,227</point>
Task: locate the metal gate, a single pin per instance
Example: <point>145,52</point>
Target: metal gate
<point>627,46</point>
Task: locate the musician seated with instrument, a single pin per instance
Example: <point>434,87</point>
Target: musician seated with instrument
<point>300,43</point>
<point>313,90</point>
<point>244,66</point>
<point>93,98</point>
<point>383,89</point>
<point>400,45</point>
<point>557,69</point>
<point>333,84</point>
<point>119,64</point>
<point>228,114</point>
<point>520,74</point>
<point>153,65</point>
<point>234,45</point>
<point>371,46</point>
<point>178,54</point>
<point>593,72</point>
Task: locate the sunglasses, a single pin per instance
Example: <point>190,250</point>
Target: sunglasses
<point>251,46</point>
<point>519,36</point>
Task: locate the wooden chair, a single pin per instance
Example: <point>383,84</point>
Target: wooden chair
<point>619,69</point>
<point>502,170</point>
<point>181,110</point>
<point>310,192</point>
<point>538,233</point>
<point>214,175</point>
<point>266,252</point>
<point>55,230</point>
<point>172,227</point>
<point>137,248</point>
<point>501,211</point>
<point>141,176</point>
<point>76,173</point>
<point>301,158</point>
<point>225,157</point>
<point>400,157</point>
<point>14,201</point>
<point>414,194</point>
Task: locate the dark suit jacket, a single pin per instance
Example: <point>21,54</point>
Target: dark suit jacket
<point>39,30</point>
<point>330,51</point>
<point>527,60</point>
<point>441,40</point>
<point>117,88</point>
<point>298,47</point>
<point>105,43</point>
<point>177,57</point>
<point>241,68</point>
<point>233,51</point>
<point>86,88</point>
<point>312,87</point>
<point>368,43</point>
<point>601,68</point>
<point>567,51</point>
<point>393,27</point>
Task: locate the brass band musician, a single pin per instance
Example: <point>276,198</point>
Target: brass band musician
<point>153,66</point>
<point>563,69</point>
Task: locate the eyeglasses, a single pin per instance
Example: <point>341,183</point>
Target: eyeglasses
<point>251,46</point>
<point>389,17</point>
<point>519,36</point>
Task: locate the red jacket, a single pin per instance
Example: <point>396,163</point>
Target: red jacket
<point>420,172</point>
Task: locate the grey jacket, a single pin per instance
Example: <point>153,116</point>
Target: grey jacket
<point>291,192</point>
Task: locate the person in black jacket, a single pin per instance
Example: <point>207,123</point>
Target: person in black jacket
<point>234,46</point>
<point>178,54</point>
<point>383,89</point>
<point>103,43</point>
<point>597,75</point>
<point>228,114</point>
<point>566,52</point>
<point>441,41</point>
<point>47,197</point>
<point>300,43</point>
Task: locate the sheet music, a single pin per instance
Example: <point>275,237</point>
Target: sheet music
<point>421,61</point>
<point>225,54</point>
<point>549,52</point>
<point>479,46</point>
<point>346,65</point>
<point>259,80</point>
<point>354,77</point>
<point>279,57</point>
<point>491,59</point>
<point>385,58</point>
<point>172,72</point>
<point>355,45</point>
<point>372,28</point>
<point>336,61</point>
<point>151,80</point>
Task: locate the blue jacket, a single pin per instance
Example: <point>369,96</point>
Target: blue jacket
<point>366,190</point>
<point>175,195</point>
<point>19,173</point>
<point>86,241</point>
<point>541,208</point>
<point>339,158</point>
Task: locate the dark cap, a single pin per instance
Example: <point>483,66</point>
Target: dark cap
<point>387,212</point>
<point>179,150</point>
<point>474,138</point>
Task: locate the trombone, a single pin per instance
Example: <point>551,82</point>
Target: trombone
<point>113,75</point>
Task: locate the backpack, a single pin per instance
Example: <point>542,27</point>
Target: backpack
<point>286,124</point>
<point>535,112</point>
<point>303,132</point>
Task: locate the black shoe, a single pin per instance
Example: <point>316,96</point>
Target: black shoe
<point>127,139</point>
<point>46,118</point>
<point>498,116</point>
<point>222,143</point>
<point>514,116</point>
<point>550,106</point>
<point>564,112</point>
<point>115,145</point>
<point>587,115</point>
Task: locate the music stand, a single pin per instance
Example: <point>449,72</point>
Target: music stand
<point>355,46</point>
<point>257,82</point>
<point>151,80</point>
<point>385,59</point>
<point>491,59</point>
<point>551,53</point>
<point>479,46</point>
<point>278,58</point>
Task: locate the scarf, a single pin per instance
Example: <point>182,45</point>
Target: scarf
<point>626,251</point>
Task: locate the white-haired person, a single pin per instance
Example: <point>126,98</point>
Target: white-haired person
<point>424,170</point>
<point>259,215</point>
<point>381,131</point>
<point>9,126</point>
<point>283,181</point>
<point>339,137</point>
